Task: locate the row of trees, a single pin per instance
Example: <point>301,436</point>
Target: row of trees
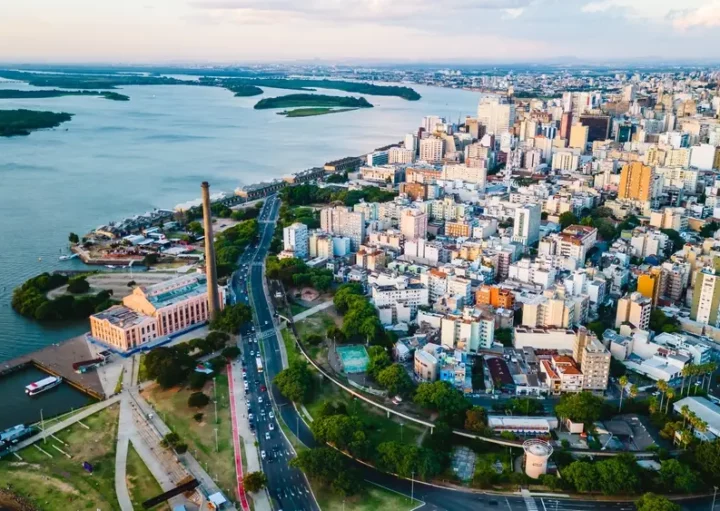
<point>294,272</point>
<point>305,195</point>
<point>230,319</point>
<point>360,317</point>
<point>231,243</point>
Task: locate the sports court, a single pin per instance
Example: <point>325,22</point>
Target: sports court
<point>354,359</point>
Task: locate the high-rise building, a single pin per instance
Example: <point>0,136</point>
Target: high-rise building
<point>634,309</point>
<point>526,228</point>
<point>567,161</point>
<point>400,155</point>
<point>578,137</point>
<point>629,93</point>
<point>411,143</point>
<point>565,124</point>
<point>598,126</point>
<point>295,239</point>
<point>344,222</point>
<point>413,224</point>
<point>430,123</point>
<point>593,359</point>
<point>636,182</point>
<point>497,115</point>
<point>649,284</point>
<point>495,296</point>
<point>706,298</point>
<point>431,149</point>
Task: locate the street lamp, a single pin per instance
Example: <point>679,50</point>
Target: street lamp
<point>714,495</point>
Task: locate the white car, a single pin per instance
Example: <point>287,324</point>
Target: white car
<point>271,415</point>
<point>252,353</point>
<point>267,437</point>
<point>262,454</point>
<point>259,399</point>
<point>272,426</point>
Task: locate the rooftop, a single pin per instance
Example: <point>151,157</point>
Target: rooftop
<point>121,316</point>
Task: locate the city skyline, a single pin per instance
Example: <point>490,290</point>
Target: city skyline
<point>236,31</point>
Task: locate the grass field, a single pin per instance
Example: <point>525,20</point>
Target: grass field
<point>293,353</point>
<point>140,481</point>
<point>369,498</point>
<point>200,436</point>
<point>296,308</point>
<point>318,323</point>
<point>62,483</point>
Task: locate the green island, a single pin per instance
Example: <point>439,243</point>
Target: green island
<point>242,89</point>
<point>22,122</point>
<point>37,94</point>
<point>309,112</point>
<point>64,81</point>
<point>358,87</point>
<point>312,100</point>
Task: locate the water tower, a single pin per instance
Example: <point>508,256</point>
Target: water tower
<point>537,453</point>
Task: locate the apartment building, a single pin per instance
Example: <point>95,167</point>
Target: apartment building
<point>432,149</point>
<point>593,358</point>
<point>295,240</point>
<point>526,227</point>
<point>561,374</point>
<point>575,242</point>
<point>634,309</point>
<point>498,297</point>
<point>706,298</point>
<point>343,221</point>
<point>468,332</point>
<point>413,224</point>
<point>474,175</point>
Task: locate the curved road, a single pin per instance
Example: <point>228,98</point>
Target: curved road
<point>434,498</point>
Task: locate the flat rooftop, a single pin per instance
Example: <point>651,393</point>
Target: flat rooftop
<point>121,316</point>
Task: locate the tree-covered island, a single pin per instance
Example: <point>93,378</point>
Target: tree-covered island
<point>23,122</point>
<point>312,100</point>
<point>39,94</point>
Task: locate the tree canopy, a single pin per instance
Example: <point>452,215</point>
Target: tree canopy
<point>395,380</point>
<point>652,502</point>
<point>329,467</point>
<point>295,382</point>
<point>581,407</point>
<point>169,366</point>
<point>231,318</point>
<point>255,481</point>
<point>448,401</point>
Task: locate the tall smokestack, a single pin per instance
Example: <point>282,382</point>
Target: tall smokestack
<point>210,269</point>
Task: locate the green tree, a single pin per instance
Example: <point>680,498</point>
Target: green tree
<point>448,401</point>
<point>198,400</point>
<point>395,380</point>
<point>195,228</point>
<point>344,432</point>
<point>328,467</point>
<point>231,352</point>
<point>582,475</point>
<point>618,475</point>
<point>169,366</point>
<point>476,419</point>
<point>678,477</point>
<point>254,481</point>
<point>652,502</point>
<point>708,230</point>
<point>231,318</point>
<point>504,336</point>
<point>343,293</point>
<point>295,382</point>
<point>78,285</point>
<point>707,459</point>
<point>73,238</point>
<point>197,380</point>
<point>582,407</point>
<point>378,360</point>
<point>567,219</point>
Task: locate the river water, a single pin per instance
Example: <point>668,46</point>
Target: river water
<point>117,159</point>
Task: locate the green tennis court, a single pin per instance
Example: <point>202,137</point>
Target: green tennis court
<point>354,359</point>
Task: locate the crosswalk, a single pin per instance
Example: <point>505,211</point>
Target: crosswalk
<point>529,500</point>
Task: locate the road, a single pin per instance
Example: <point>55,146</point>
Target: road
<point>288,487</point>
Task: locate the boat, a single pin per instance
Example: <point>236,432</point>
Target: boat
<point>43,385</point>
<point>67,257</point>
<point>11,436</point>
<point>110,266</point>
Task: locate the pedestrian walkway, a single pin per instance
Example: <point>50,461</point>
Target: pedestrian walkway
<point>236,441</point>
<point>529,500</point>
<point>125,427</point>
<point>310,312</point>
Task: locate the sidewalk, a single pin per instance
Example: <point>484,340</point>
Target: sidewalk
<point>313,310</point>
<point>252,457</point>
<point>125,428</point>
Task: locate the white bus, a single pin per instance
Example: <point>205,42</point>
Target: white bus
<point>258,362</point>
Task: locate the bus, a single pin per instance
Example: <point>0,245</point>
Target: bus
<point>258,362</point>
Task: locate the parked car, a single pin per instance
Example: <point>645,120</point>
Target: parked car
<point>262,454</point>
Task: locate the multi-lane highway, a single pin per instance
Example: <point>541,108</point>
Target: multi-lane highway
<point>287,486</point>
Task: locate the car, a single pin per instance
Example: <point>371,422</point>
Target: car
<point>252,353</point>
<point>263,388</point>
<point>244,376</point>
<point>250,416</point>
<point>259,399</point>
<point>266,322</point>
<point>271,414</point>
<point>272,427</point>
<point>262,454</point>
<point>267,436</point>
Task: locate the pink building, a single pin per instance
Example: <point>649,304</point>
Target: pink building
<point>154,311</point>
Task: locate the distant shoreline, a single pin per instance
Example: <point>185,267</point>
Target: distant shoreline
<point>41,94</point>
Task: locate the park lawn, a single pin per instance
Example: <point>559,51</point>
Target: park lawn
<point>318,323</point>
<point>140,481</point>
<point>62,483</point>
<point>369,498</point>
<point>296,308</point>
<point>142,370</point>
<point>293,354</point>
<point>172,406</point>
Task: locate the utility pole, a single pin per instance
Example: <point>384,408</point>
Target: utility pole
<point>401,431</point>
<point>215,398</point>
<point>42,424</point>
<point>412,487</point>
<point>216,442</point>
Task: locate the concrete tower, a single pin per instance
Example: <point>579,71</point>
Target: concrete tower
<point>537,453</point>
<point>210,269</point>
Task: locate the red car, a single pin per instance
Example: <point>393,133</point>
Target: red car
<point>262,388</point>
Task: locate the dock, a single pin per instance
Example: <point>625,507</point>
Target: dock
<point>58,360</point>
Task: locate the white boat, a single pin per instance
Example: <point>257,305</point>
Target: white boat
<point>110,266</point>
<point>42,385</point>
<point>67,257</point>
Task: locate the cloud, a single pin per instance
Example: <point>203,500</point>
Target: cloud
<point>597,6</point>
<point>707,15</point>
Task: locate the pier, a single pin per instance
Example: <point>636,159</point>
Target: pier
<point>58,360</point>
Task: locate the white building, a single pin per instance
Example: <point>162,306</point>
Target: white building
<point>413,224</point>
<point>400,155</point>
<point>295,239</point>
<point>497,117</point>
<point>431,149</point>
<point>526,228</point>
<point>344,222</point>
<point>703,156</point>
<point>566,161</point>
<point>475,175</point>
<point>468,332</point>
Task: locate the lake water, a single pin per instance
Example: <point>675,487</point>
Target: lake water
<point>116,159</point>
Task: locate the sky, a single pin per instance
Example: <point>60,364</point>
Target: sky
<point>247,31</point>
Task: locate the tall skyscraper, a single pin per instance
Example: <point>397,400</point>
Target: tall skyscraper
<point>598,126</point>
<point>295,239</point>
<point>344,222</point>
<point>565,124</point>
<point>498,116</point>
<point>636,182</point>
<point>526,228</point>
<point>706,298</point>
